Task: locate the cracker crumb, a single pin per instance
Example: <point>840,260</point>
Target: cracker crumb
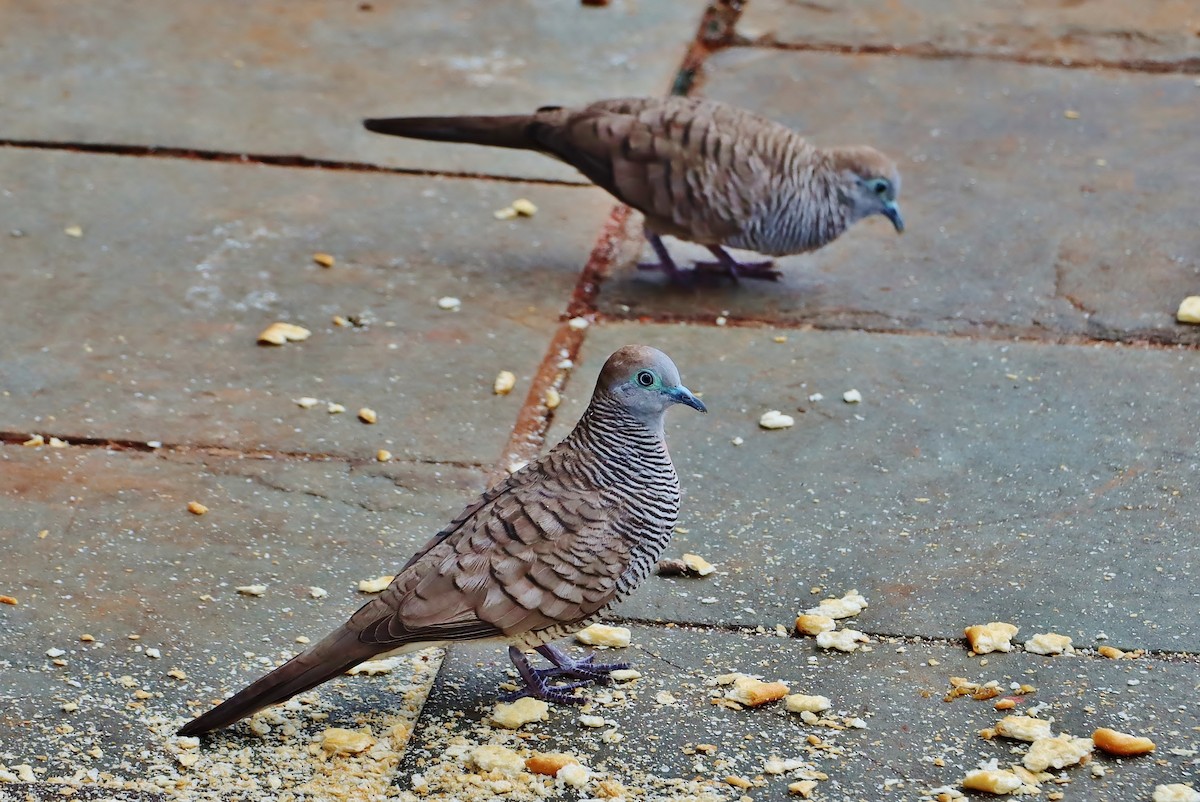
<point>992,637</point>
<point>1189,310</point>
<point>604,635</point>
<point>377,585</point>
<point>505,381</point>
<point>774,419</point>
<point>340,741</point>
<point>803,788</point>
<point>514,715</point>
<point>807,624</point>
<point>196,508</point>
<point>1049,643</point>
<point>698,564</point>
<point>324,259</point>
<point>279,333</point>
<point>367,415</point>
<point>1057,752</point>
<point>1119,743</point>
<point>754,692</point>
<point>251,590</point>
<point>548,763</point>
<point>848,606</point>
<point>1175,792</point>
<point>1023,728</point>
<point>1111,652</point>
<point>496,758</point>
<point>845,640</point>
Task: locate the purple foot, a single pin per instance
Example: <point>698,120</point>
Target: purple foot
<point>727,265</point>
<point>665,263</point>
<point>537,682</point>
<point>583,668</point>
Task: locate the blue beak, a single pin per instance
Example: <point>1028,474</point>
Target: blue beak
<point>682,395</point>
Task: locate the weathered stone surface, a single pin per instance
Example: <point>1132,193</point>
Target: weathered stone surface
<point>1154,34</point>
<point>297,77</point>
<point>912,742</point>
<point>1053,487</point>
<point>155,309</point>
<point>1020,220</point>
<point>100,543</point>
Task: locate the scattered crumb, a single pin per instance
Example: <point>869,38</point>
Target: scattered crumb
<point>845,640</point>
<point>1049,643</point>
<point>1189,310</point>
<point>994,637</point>
<point>57,443</point>
<point>376,585</point>
<point>803,788</point>
<point>754,692</point>
<point>367,415</point>
<point>449,303</point>
<point>1119,743</point>
<point>774,419</point>
<point>552,398</point>
<point>524,207</point>
<point>73,231</point>
<point>496,758</point>
<point>807,624</point>
<point>1023,728</point>
<point>252,590</point>
<point>578,323</point>
<point>852,396</point>
<point>849,605</point>
<point>507,213</point>
<point>588,720</point>
<point>279,333</point>
<point>306,402</point>
<point>1175,792</point>
<point>196,508</point>
<point>604,635</point>
<point>573,775</point>
<point>1057,752</point>
<point>8,600</point>
<point>1071,114</point>
<point>317,593</point>
<point>505,381</point>
<point>1111,652</point>
<point>698,564</point>
<point>335,409</point>
<point>374,668</point>
<point>801,703</point>
<point>35,441</point>
<point>993,781</point>
<point>324,259</point>
<point>548,763</point>
<point>383,455</point>
<point>339,741</point>
<point>514,715</point>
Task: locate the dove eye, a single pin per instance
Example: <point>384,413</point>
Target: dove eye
<point>645,378</point>
<point>881,187</point>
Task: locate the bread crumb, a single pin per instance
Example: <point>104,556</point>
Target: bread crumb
<point>578,323</point>
<point>807,624</point>
<point>372,668</point>
<point>196,508</point>
<point>1189,310</point>
<point>317,593</point>
<point>8,600</point>
<point>73,231</point>
<point>279,333</point>
<point>665,698</point>
<point>449,303</point>
<point>367,415</point>
<point>802,703</point>
<point>588,720</point>
<point>849,605</point>
<point>1057,752</point>
<point>993,637</point>
<point>1049,643</point>
<point>993,781</point>
<point>552,398</point>
<point>340,741</point>
<point>754,692</point>
<point>306,402</point>
<point>524,207</point>
<point>383,455</point>
<point>496,758</point>
<point>335,409</point>
<point>548,763</point>
<point>34,441</point>
<point>774,419</point>
<point>324,259</point>
<point>604,635</point>
<point>852,396</point>
<point>251,590</point>
<point>514,715</point>
<point>698,564</point>
<point>1175,792</point>
<point>803,788</point>
<point>1111,652</point>
<point>845,640</point>
<point>377,585</point>
<point>1119,743</point>
<point>505,381</point>
<point>1023,728</point>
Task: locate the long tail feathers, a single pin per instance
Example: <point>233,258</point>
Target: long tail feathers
<point>499,131</point>
<point>328,658</point>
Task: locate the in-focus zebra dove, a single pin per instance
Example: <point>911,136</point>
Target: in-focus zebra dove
<point>537,557</point>
<point>697,169</point>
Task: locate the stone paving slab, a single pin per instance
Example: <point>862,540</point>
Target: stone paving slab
<point>913,741</point>
<point>1155,33</point>
<point>100,542</point>
<point>1054,487</point>
<point>181,264</point>
<point>1014,225</point>
<point>298,77</point>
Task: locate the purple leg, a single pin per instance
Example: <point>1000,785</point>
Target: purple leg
<point>583,668</point>
<point>536,684</point>
<point>738,270</point>
<point>665,263</point>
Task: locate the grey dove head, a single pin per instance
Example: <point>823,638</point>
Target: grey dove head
<point>645,382</point>
<point>871,183</point>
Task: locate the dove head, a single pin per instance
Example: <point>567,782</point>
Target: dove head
<point>870,183</point>
<point>645,382</point>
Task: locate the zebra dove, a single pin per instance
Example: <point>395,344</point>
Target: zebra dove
<point>698,170</point>
<point>538,556</point>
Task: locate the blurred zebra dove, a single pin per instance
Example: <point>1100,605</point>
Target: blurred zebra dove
<point>538,556</point>
<point>698,170</point>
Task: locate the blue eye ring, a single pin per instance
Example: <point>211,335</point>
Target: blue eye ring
<point>645,378</point>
